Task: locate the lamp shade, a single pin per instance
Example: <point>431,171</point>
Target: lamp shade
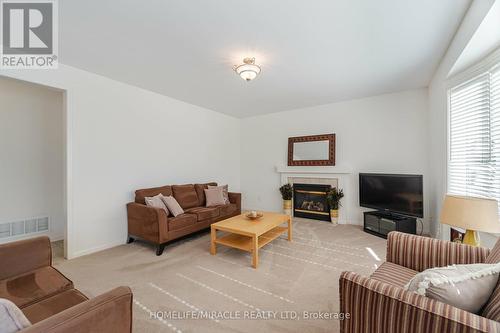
<point>471,213</point>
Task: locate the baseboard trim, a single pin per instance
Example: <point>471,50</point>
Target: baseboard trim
<point>96,249</point>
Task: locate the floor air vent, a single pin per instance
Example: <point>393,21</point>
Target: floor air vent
<point>24,227</point>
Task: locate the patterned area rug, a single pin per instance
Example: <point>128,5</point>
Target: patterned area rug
<point>295,288</point>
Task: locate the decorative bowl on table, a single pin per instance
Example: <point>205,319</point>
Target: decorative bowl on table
<point>253,215</point>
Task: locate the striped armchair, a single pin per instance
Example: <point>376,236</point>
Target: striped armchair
<point>380,304</point>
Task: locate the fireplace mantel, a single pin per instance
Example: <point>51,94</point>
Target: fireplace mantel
<point>313,170</point>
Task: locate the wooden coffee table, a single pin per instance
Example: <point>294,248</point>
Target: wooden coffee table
<point>250,235</point>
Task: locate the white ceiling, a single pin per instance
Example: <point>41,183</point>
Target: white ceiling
<point>311,52</point>
<point>485,40</point>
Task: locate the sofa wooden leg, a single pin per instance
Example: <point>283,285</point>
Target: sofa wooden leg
<point>159,249</point>
<point>130,240</point>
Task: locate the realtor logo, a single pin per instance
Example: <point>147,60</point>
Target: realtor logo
<point>28,34</point>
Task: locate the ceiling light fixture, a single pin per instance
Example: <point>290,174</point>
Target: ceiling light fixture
<point>248,70</point>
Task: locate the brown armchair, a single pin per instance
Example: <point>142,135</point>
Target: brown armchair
<point>380,304</point>
<point>49,300</point>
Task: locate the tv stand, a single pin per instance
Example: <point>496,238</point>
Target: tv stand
<point>380,223</point>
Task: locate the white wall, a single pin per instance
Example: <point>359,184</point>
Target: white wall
<point>121,138</point>
<point>484,41</point>
<point>438,111</point>
<point>32,149</point>
<point>386,133</point>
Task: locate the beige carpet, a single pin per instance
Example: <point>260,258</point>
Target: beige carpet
<point>186,280</point>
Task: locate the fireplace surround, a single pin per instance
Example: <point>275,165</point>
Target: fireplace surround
<point>309,201</point>
<point>337,176</point>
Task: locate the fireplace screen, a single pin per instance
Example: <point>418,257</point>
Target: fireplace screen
<point>309,201</point>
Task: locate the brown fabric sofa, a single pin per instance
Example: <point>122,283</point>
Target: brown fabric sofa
<point>152,224</point>
<point>380,304</point>
<point>49,300</point>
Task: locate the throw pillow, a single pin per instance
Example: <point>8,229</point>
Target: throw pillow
<point>157,202</point>
<point>12,319</point>
<point>225,192</point>
<point>173,205</point>
<point>467,287</point>
<point>214,197</point>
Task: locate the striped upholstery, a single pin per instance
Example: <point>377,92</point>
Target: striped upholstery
<point>393,274</point>
<point>494,255</point>
<point>378,307</point>
<point>420,253</point>
<point>378,304</point>
<point>492,308</point>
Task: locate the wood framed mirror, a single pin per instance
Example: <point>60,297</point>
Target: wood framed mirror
<point>311,150</point>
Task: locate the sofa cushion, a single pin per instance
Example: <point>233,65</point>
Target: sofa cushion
<point>491,309</point>
<point>201,193</point>
<point>12,319</point>
<point>204,213</point>
<point>185,195</point>
<point>226,210</point>
<point>151,192</point>
<point>24,256</point>
<point>50,306</point>
<point>225,192</point>
<point>467,287</point>
<point>181,221</point>
<point>157,202</point>
<point>172,205</point>
<point>214,197</point>
<point>393,274</point>
<point>34,286</point>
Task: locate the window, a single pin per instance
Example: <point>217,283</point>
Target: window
<point>474,132</point>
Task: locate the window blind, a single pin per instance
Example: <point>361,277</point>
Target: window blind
<point>474,133</point>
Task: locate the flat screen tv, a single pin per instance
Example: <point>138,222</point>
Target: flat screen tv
<point>400,194</point>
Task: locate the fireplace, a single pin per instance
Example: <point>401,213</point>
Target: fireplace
<point>309,201</point>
